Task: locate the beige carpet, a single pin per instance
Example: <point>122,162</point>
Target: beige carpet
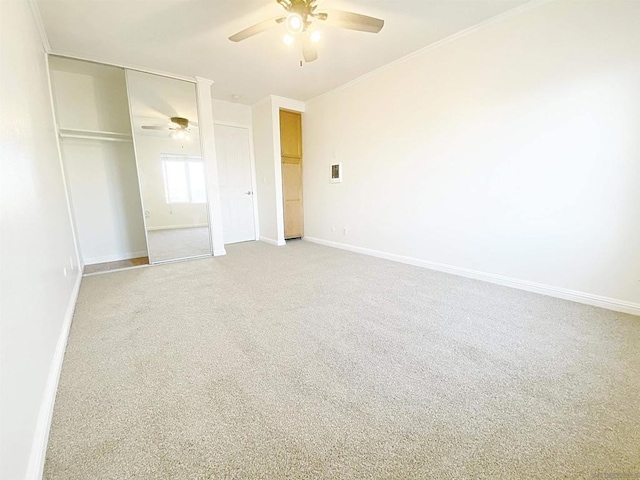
<point>309,362</point>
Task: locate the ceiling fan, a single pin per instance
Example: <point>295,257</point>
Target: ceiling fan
<point>300,16</point>
<point>179,127</point>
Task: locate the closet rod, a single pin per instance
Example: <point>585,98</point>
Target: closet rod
<point>94,137</point>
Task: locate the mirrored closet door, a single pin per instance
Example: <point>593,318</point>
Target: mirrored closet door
<point>170,166</point>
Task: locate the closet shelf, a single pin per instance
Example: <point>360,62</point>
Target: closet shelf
<point>94,135</point>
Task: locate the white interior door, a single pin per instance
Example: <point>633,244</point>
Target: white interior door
<point>236,186</point>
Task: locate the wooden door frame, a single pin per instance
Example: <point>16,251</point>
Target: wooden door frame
<point>278,103</point>
<point>283,159</point>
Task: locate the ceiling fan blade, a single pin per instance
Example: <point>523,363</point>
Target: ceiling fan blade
<point>256,29</point>
<point>154,127</point>
<point>309,50</point>
<point>352,21</point>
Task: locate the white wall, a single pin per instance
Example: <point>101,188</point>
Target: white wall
<point>265,170</point>
<point>229,113</point>
<point>511,151</point>
<point>36,244</point>
<point>103,187</point>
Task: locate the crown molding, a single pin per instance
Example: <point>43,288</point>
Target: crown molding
<point>37,18</point>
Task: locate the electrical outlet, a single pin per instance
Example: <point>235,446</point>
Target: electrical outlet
<point>333,229</point>
<point>64,271</point>
<point>344,231</point>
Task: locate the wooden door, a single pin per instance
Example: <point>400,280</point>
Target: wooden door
<point>236,184</point>
<point>291,147</point>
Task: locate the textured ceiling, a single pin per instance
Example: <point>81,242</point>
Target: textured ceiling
<point>189,37</point>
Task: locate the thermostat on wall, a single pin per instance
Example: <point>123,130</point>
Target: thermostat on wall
<point>336,173</point>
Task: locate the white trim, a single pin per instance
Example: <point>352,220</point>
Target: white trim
<point>277,170</point>
<point>115,257</point>
<point>219,252</point>
<point>288,103</point>
<point>45,415</point>
<point>273,242</point>
<point>42,32</point>
<point>204,81</point>
<point>127,66</point>
<point>176,227</point>
<point>209,156</point>
<point>432,46</point>
<point>564,293</point>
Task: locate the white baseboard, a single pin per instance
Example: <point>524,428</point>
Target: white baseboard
<point>115,257</point>
<point>45,416</point>
<point>271,241</point>
<point>564,293</point>
<point>176,227</point>
<point>219,252</point>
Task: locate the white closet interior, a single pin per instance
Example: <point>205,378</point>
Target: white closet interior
<point>94,125</point>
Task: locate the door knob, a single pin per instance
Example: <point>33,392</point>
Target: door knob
<point>249,193</point>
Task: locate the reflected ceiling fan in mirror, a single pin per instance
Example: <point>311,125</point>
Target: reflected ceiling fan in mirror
<point>299,20</point>
<point>179,127</point>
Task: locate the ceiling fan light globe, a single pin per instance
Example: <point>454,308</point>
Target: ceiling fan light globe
<point>288,39</point>
<point>316,36</point>
<point>294,23</point>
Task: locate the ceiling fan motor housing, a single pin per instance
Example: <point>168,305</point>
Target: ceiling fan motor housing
<point>182,122</point>
<point>303,9</point>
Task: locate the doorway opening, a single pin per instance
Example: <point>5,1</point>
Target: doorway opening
<point>291,151</point>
